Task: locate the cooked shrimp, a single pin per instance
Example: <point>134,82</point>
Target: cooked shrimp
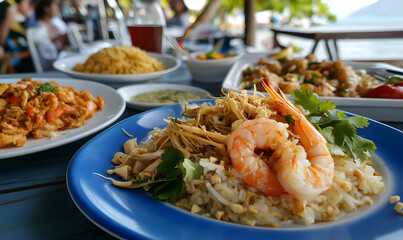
<point>263,134</point>
<point>308,170</point>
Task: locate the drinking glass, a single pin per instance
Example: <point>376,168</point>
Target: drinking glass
<point>146,25</point>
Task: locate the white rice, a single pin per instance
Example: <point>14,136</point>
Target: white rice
<point>230,199</point>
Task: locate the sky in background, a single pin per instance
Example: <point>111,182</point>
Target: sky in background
<point>343,8</point>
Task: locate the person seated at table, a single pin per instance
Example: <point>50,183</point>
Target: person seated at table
<point>48,40</point>
<point>181,15</point>
<point>31,21</point>
<point>6,15</point>
<point>13,39</point>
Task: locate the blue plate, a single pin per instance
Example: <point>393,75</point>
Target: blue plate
<point>132,214</point>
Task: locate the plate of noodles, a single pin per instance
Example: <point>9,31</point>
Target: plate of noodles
<point>216,202</point>
<point>123,64</point>
<point>31,124</point>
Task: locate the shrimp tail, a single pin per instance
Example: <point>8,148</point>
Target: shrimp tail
<point>285,107</point>
<point>283,104</point>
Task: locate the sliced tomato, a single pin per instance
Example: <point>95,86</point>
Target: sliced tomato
<point>30,111</point>
<point>385,91</point>
<point>13,99</point>
<point>398,84</point>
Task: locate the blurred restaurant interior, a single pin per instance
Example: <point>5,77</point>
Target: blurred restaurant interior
<point>89,25</point>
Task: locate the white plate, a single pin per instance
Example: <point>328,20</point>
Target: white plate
<point>390,110</point>
<point>66,65</point>
<point>130,91</point>
<point>113,109</point>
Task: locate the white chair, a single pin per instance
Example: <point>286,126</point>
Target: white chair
<point>32,49</point>
<point>74,36</point>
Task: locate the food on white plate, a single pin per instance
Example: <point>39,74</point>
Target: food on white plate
<point>325,78</point>
<point>34,109</point>
<point>254,160</point>
<point>120,60</point>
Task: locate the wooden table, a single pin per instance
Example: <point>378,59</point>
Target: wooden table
<point>332,34</point>
<point>34,201</point>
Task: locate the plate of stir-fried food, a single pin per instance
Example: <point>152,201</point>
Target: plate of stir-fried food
<point>42,113</point>
<point>118,64</point>
<point>242,166</point>
<point>350,85</point>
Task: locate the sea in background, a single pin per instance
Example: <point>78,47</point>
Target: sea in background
<point>370,13</point>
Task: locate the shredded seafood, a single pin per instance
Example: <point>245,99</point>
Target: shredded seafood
<point>36,109</point>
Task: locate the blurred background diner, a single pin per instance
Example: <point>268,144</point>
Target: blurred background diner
<point>35,33</point>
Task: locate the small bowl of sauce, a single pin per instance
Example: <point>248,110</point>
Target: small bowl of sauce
<point>153,95</point>
<point>165,96</point>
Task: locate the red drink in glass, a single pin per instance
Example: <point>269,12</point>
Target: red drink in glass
<point>147,37</point>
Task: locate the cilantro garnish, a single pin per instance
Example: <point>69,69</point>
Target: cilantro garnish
<point>338,129</point>
<point>174,120</point>
<point>47,87</point>
<point>173,170</point>
<point>312,80</point>
<point>290,120</point>
<point>285,79</point>
<point>282,60</point>
<point>249,71</point>
<point>312,63</point>
<point>342,92</point>
<point>331,76</point>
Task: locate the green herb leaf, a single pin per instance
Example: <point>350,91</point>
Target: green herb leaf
<point>290,120</point>
<point>143,180</point>
<point>361,72</point>
<point>312,80</point>
<point>282,60</point>
<point>47,87</point>
<point>312,63</point>
<point>306,99</point>
<point>192,170</point>
<point>174,170</point>
<point>249,71</point>
<point>169,166</point>
<point>338,129</point>
<point>174,120</point>
<point>210,55</point>
<point>285,79</point>
<point>342,92</point>
<point>168,191</point>
<point>394,80</point>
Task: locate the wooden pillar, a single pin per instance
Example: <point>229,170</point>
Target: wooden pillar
<point>250,22</point>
